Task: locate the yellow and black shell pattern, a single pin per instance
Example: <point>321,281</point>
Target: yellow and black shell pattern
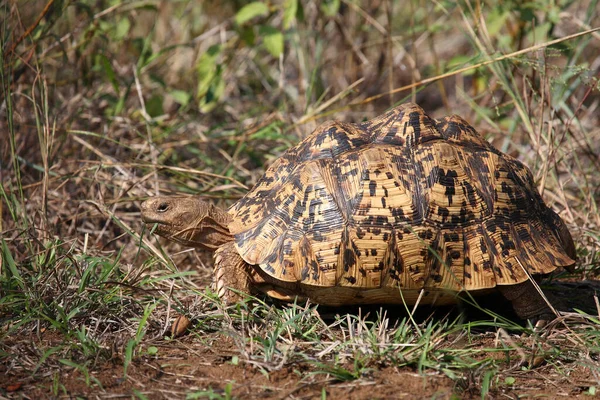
<point>401,201</point>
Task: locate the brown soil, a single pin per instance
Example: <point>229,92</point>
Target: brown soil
<point>181,369</point>
<point>187,366</point>
<point>193,364</point>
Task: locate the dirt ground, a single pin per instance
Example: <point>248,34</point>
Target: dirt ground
<point>211,366</point>
<point>186,367</point>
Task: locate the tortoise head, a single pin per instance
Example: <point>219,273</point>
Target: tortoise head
<point>187,220</point>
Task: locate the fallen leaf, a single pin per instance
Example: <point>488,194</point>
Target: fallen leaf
<point>180,326</point>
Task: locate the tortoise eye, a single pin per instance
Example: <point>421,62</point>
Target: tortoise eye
<point>162,207</point>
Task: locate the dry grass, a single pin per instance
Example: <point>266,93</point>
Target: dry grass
<point>106,103</point>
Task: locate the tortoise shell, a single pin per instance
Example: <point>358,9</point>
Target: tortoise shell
<point>402,200</point>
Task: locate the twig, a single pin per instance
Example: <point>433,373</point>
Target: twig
<point>29,30</point>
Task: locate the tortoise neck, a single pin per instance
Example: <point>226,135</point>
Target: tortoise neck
<point>213,229</point>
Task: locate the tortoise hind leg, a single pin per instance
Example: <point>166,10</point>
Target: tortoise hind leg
<point>528,303</point>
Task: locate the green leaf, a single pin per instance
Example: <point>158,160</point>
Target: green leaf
<point>300,13</point>
<point>109,71</point>
<point>486,382</point>
<point>139,394</point>
<point>152,350</point>
<point>526,13</point>
<point>496,21</point>
<point>290,8</point>
<point>131,344</point>
<point>250,11</point>
<point>213,93</point>
<point>210,82</point>
<point>154,106</point>
<point>207,65</point>
<point>181,97</point>
<point>248,35</point>
<point>459,61</point>
<point>540,33</point>
<point>591,391</point>
<point>509,380</point>
<point>11,265</point>
<point>272,39</point>
<point>330,7</point>
<point>122,29</point>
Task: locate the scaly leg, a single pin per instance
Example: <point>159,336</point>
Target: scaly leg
<point>528,303</point>
<point>231,274</point>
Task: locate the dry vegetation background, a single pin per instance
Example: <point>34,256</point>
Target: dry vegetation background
<point>105,103</point>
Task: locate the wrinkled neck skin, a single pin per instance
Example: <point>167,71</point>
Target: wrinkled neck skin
<point>188,220</point>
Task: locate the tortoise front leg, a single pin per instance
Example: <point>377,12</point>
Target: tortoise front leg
<point>232,276</point>
<point>528,303</point>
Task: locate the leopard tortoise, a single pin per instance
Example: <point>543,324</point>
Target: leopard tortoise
<point>395,209</point>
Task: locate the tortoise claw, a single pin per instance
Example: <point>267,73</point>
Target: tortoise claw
<point>538,323</point>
